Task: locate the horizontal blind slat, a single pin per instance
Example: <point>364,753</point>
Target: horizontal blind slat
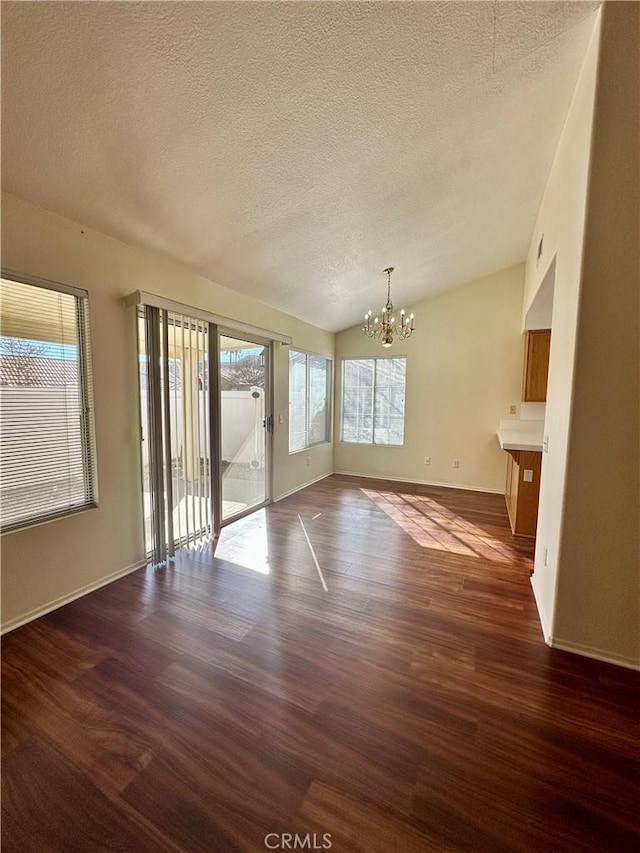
<point>47,459</point>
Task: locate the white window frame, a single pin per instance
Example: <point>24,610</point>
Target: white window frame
<point>85,380</point>
<point>328,399</point>
<point>373,442</point>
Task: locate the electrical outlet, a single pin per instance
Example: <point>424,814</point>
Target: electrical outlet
<point>544,556</point>
<point>513,410</point>
<point>455,463</point>
<point>280,419</point>
<point>308,461</point>
<point>427,460</point>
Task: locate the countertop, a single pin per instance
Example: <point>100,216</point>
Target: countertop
<point>520,435</point>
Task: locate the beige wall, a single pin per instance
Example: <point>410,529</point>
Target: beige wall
<point>560,223</point>
<point>588,591</point>
<point>598,594</point>
<point>46,563</point>
<point>464,366</point>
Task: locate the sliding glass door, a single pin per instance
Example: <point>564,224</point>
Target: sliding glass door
<point>246,424</point>
<point>206,426</point>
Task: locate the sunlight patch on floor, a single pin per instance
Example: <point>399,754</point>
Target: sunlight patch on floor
<point>245,543</point>
<point>432,525</point>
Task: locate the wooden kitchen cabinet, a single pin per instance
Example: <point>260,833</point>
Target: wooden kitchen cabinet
<point>521,494</point>
<point>536,365</point>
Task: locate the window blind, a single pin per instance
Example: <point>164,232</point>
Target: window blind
<point>47,453</point>
<point>318,405</point>
<point>373,394</point>
<point>297,401</point>
<point>309,401</point>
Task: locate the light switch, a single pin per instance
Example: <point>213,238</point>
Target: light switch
<point>528,475</point>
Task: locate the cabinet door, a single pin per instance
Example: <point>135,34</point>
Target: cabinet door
<point>528,492</point>
<point>536,366</point>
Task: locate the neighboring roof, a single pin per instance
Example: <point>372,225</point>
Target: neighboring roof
<point>175,379</point>
<point>24,370</point>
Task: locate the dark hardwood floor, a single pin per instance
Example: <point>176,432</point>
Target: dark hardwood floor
<point>412,707</point>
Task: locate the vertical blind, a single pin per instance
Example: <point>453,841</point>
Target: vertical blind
<point>176,416</point>
<point>47,452</point>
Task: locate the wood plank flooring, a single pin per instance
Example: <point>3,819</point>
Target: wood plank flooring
<point>411,707</point>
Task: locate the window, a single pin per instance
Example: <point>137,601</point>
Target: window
<point>46,444</point>
<point>309,402</point>
<point>373,400</point>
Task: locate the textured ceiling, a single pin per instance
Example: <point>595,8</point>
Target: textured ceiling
<point>291,151</point>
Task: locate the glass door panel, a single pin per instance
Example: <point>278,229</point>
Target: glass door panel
<point>244,410</point>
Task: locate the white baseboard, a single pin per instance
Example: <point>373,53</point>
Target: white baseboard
<point>591,652</point>
<point>460,486</point>
<point>542,614</point>
<point>303,486</point>
<point>576,648</point>
<point>72,596</point>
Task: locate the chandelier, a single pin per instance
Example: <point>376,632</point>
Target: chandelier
<point>387,328</point>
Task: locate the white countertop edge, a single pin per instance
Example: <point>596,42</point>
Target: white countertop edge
<point>515,440</point>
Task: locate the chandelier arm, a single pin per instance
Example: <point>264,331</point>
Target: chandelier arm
<point>386,328</point>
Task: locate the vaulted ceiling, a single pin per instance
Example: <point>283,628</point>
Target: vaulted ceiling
<point>291,151</point>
